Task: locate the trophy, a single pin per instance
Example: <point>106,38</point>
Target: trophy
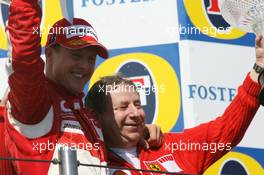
<point>247,15</point>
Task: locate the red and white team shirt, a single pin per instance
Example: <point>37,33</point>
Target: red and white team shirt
<point>195,149</point>
<point>41,116</point>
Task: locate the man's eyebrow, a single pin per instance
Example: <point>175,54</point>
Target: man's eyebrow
<point>137,102</point>
<point>122,102</point>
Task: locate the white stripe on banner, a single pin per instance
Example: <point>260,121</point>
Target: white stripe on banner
<point>67,9</point>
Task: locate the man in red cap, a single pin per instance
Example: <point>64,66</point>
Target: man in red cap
<point>46,111</point>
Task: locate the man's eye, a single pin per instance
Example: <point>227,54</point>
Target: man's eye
<point>138,106</point>
<point>123,107</point>
<point>120,108</point>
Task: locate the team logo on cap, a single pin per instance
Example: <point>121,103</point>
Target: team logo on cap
<point>77,42</point>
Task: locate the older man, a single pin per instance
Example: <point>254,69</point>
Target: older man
<point>117,105</point>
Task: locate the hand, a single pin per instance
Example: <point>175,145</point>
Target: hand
<point>260,51</point>
<point>259,57</point>
<point>153,136</point>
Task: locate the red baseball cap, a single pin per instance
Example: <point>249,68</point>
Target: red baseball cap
<point>79,34</point>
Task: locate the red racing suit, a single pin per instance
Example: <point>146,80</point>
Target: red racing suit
<point>5,166</point>
<point>41,116</point>
<point>195,149</point>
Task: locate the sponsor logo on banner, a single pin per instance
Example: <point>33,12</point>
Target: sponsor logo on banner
<point>86,3</point>
<point>211,93</point>
<point>236,163</point>
<point>141,75</point>
<point>203,21</point>
<point>234,166</point>
<point>143,84</point>
<point>212,8</point>
<point>156,88</point>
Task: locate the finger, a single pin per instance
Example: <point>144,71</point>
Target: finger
<point>153,136</point>
<point>146,132</point>
<point>259,52</point>
<point>259,41</point>
<point>149,131</point>
<point>160,137</point>
<point>144,144</point>
<point>155,139</point>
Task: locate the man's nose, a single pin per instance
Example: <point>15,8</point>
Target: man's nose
<point>133,110</point>
<point>86,63</point>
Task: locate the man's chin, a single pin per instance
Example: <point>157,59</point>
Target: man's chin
<point>75,87</point>
<point>75,90</point>
<point>135,138</point>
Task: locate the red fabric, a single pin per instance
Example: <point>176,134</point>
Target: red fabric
<point>73,37</point>
<point>32,96</point>
<point>5,166</point>
<point>227,129</point>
